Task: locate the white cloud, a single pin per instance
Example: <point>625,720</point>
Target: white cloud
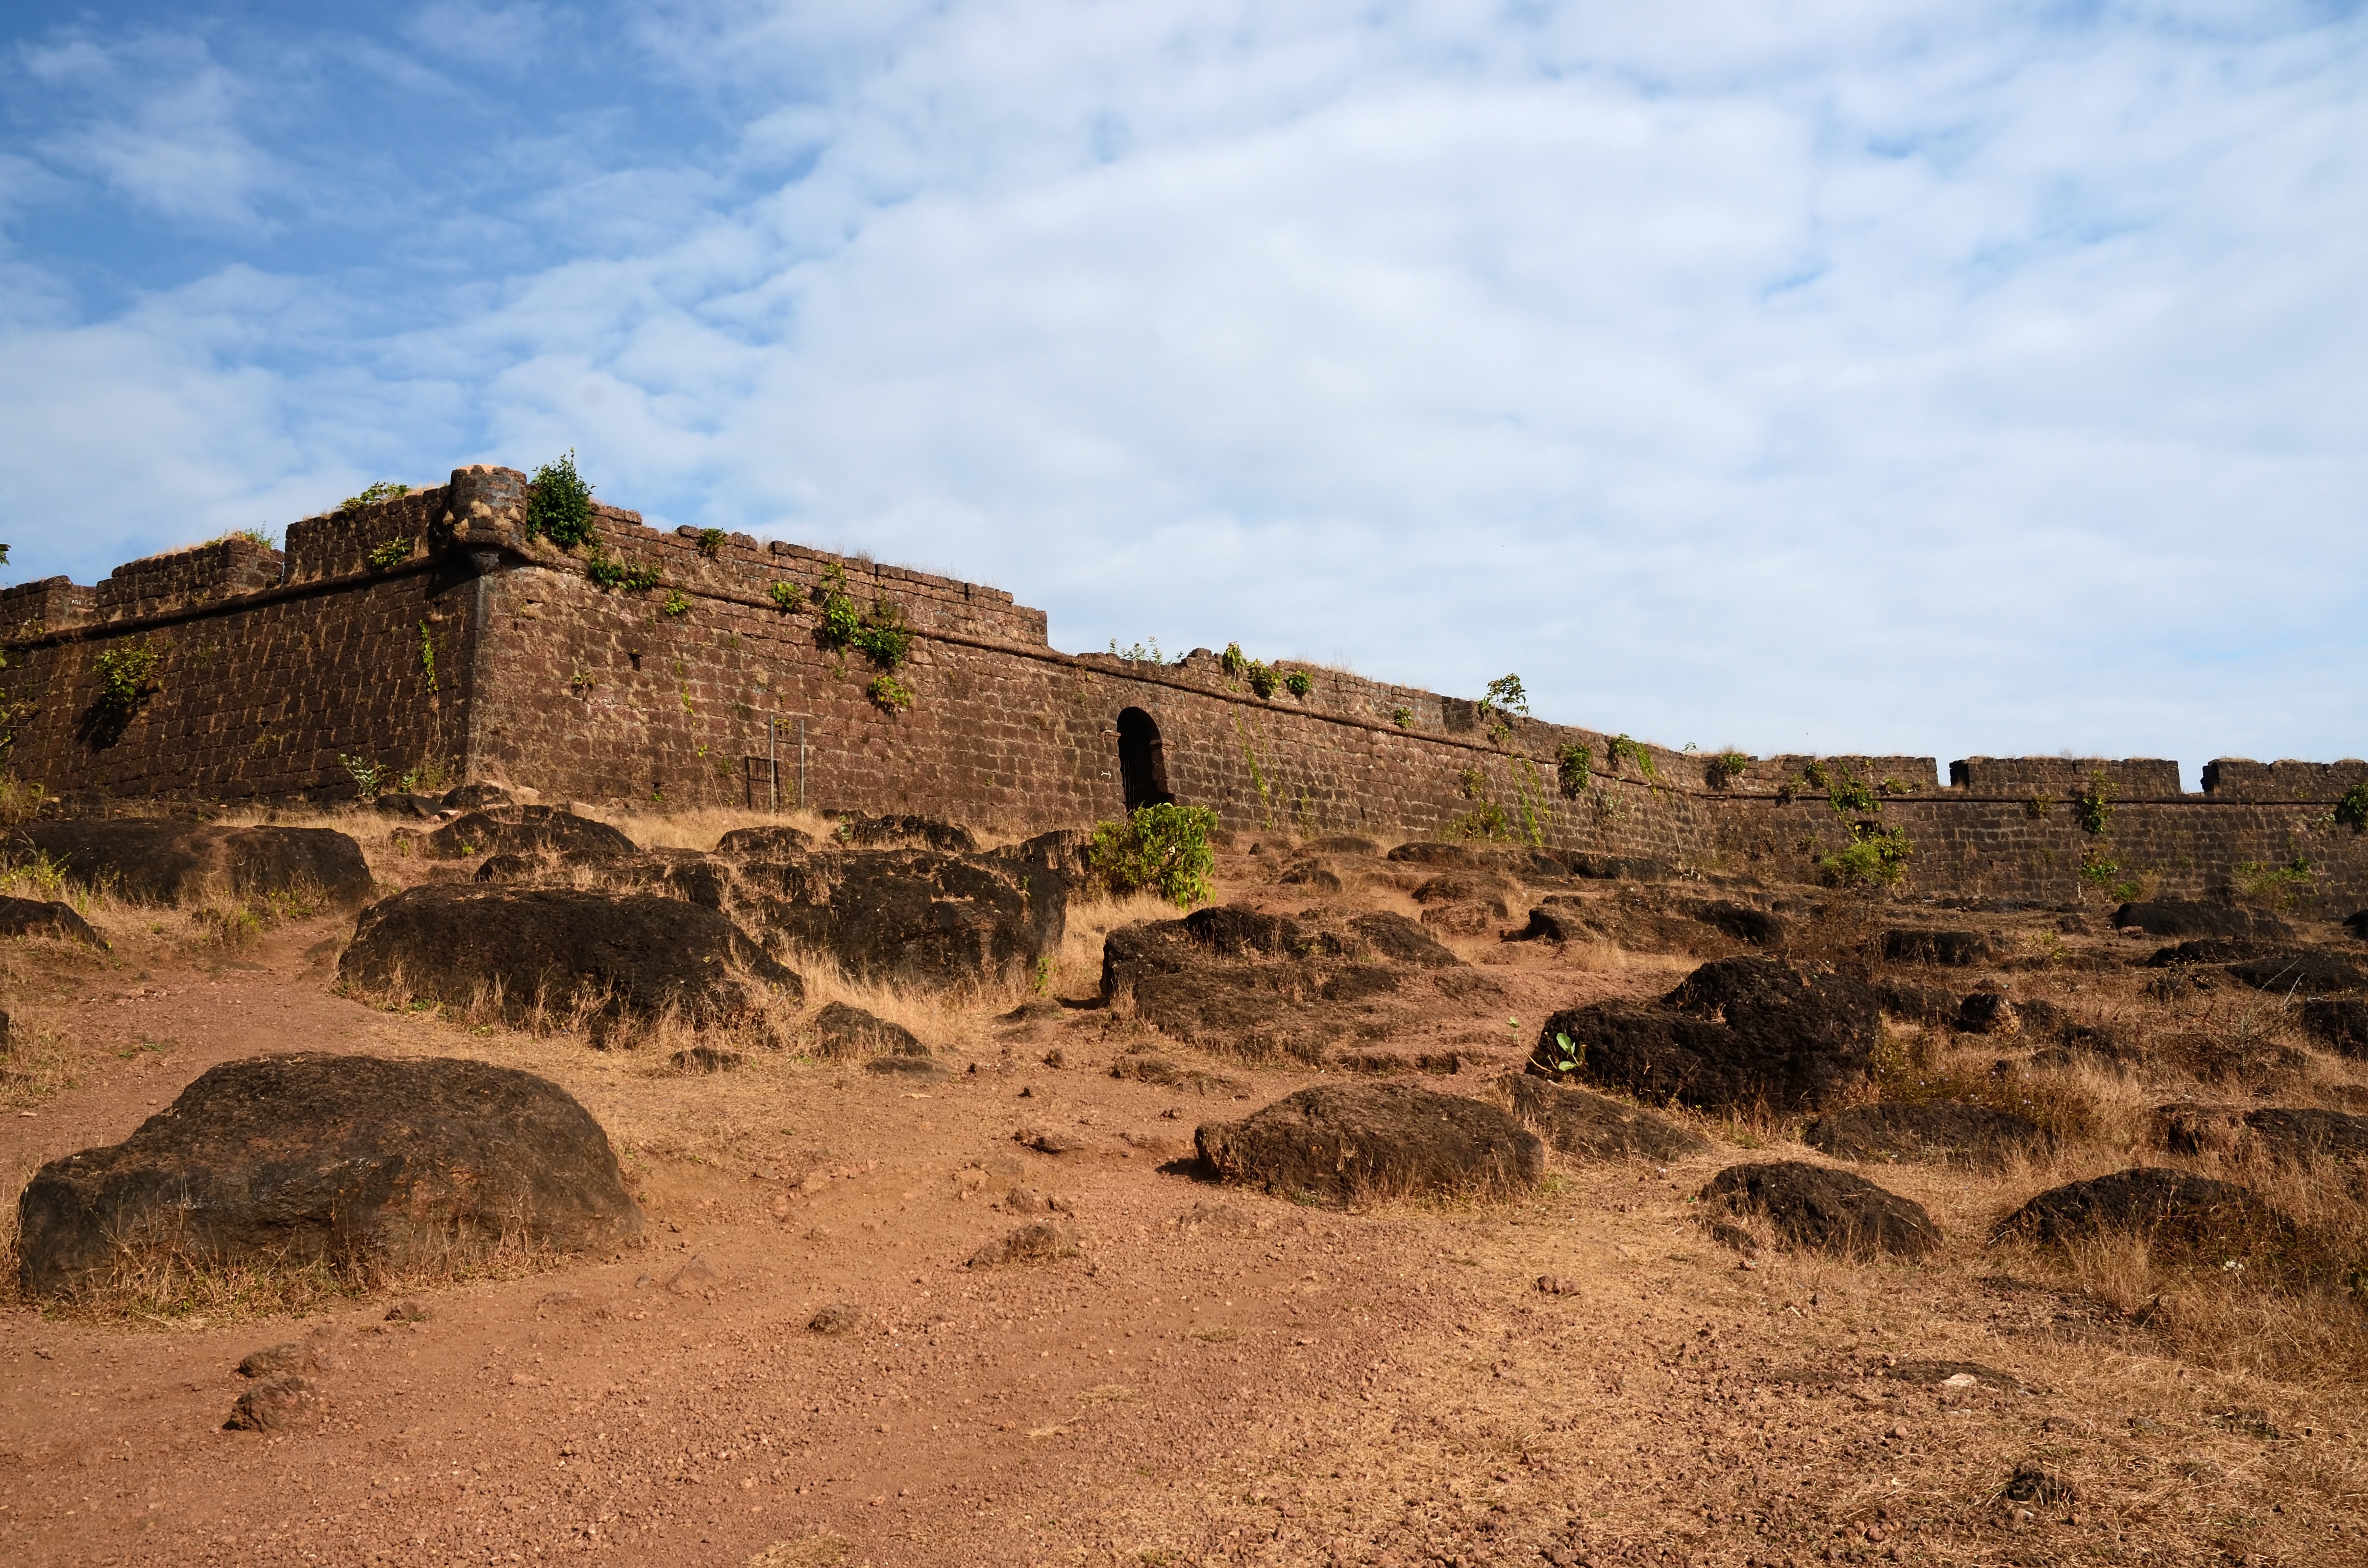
<point>1835,375</point>
<point>158,125</point>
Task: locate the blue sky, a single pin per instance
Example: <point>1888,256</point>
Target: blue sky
<point>1940,378</point>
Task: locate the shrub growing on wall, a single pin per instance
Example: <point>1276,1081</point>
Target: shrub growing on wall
<point>1164,848</point>
<point>559,504</point>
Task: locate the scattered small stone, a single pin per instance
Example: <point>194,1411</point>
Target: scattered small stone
<point>706,1059</point>
<point>2030,1483</point>
<point>1557,1285</point>
<point>1041,1242</point>
<point>906,1067</point>
<point>838,1317</point>
<point>695,1277</point>
<point>272,1403</point>
<point>1955,1375</point>
<point>408,1311</point>
<point>557,1298</point>
<point>1217,1219</point>
<point>1046,1141</point>
<point>1824,1210</point>
<point>1056,1058</point>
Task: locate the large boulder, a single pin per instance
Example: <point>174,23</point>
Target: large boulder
<point>1736,1034</point>
<point>1823,1209</point>
<point>1957,948</point>
<point>1343,1142</point>
<point>1590,1126</point>
<point>551,831</point>
<point>358,1161</point>
<point>2340,1025</point>
<point>1949,1132</point>
<point>2300,974</point>
<point>858,830</point>
<point>183,863</point>
<point>1260,985</point>
<point>44,918</point>
<point>2183,917</point>
<point>2179,1216</point>
<point>908,917</point>
<point>620,960</point>
<point>2300,1133</point>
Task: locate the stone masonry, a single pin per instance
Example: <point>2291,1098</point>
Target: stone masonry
<point>429,632</point>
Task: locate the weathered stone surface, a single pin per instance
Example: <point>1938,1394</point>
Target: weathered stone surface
<point>1257,985</point>
<point>473,798</point>
<point>2181,1217</point>
<point>771,841</point>
<point>1743,922</point>
<point>1434,855</point>
<point>908,917</point>
<point>283,1401</point>
<point>844,1032</point>
<point>2305,1133</point>
<point>1987,1010</point>
<point>2193,1126</point>
<point>352,1159</point>
<point>182,863</point>
<point>622,959</point>
<point>1619,868</point>
<point>1552,922</point>
<point>1944,1130</point>
<point>2183,917</point>
<point>2300,974</point>
<point>1823,1209</point>
<point>41,917</point>
<point>2357,925</point>
<point>2341,1025</point>
<point>1041,1241</point>
<point>1957,948</point>
<point>2210,950</point>
<point>1596,1127</point>
<point>1341,1143</point>
<point>855,830</point>
<point>527,830</point>
<point>1736,1033</point>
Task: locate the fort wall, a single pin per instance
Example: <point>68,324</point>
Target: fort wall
<point>429,630</point>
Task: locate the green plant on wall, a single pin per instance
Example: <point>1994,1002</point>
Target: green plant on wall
<point>1487,818</point>
<point>371,494</point>
<point>1725,768</point>
<point>711,542</point>
<point>559,505</point>
<point>2352,810</point>
<point>889,694</point>
<point>1625,745</point>
<point>880,635</point>
<point>369,778</point>
<point>1846,791</point>
<point>2040,806</point>
<point>611,573</point>
<point>1573,765</point>
<point>428,655</point>
<point>1162,848</point>
<point>1260,677</point>
<point>1300,683</point>
<point>1530,800</point>
<point>128,676</point>
<point>1258,773</point>
<point>785,596</point>
<point>1401,717</point>
<point>1875,855</point>
<point>678,603</point>
<point>393,552</point>
<point>2092,808</point>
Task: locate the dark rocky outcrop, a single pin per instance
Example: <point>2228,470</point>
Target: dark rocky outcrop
<point>2300,1133</point>
<point>1743,922</point>
<point>1987,1010</point>
<point>1343,1142</point>
<point>1443,854</point>
<point>1041,1241</point>
<point>2300,974</point>
<point>351,1159</point>
<point>1736,1033</point>
<point>1956,948</point>
<point>1823,1209</point>
<point>2357,925</point>
<point>908,917</point>
<point>1941,1130</point>
<point>546,831</point>
<point>1552,922</point>
<point>844,1032</point>
<point>473,797</point>
<point>1618,869</point>
<point>1915,1003</point>
<point>1400,940</point>
<point>2180,917</point>
<point>622,959</point>
<point>2341,1025</point>
<point>770,842</point>
<point>40,917</point>
<point>1590,1126</point>
<point>855,830</point>
<point>183,863</point>
<point>2181,1217</point>
<point>2210,950</point>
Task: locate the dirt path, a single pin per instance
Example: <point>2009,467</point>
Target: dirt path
<point>1218,1375</point>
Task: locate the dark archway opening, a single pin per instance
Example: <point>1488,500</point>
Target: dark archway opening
<point>1140,765</point>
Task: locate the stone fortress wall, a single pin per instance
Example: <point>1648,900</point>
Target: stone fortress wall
<point>429,629</point>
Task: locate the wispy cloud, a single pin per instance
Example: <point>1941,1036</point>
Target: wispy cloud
<point>1907,376</point>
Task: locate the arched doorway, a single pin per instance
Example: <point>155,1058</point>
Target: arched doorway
<point>1140,765</point>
